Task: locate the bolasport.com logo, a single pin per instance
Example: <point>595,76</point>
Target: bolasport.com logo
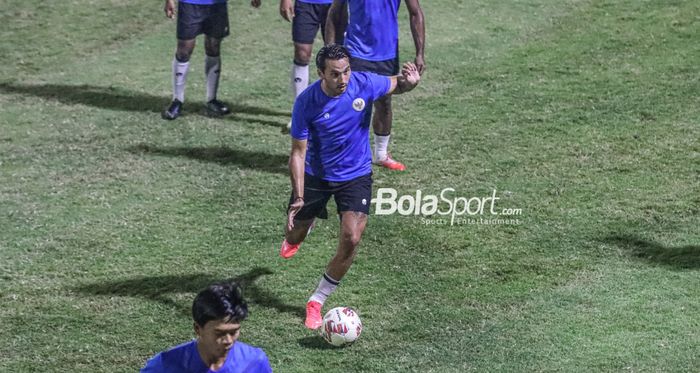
<point>446,208</point>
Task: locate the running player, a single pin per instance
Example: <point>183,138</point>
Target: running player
<point>331,157</point>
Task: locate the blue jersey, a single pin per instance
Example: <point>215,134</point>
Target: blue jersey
<point>337,128</point>
<point>317,1</point>
<point>185,358</point>
<point>373,29</point>
<point>203,2</point>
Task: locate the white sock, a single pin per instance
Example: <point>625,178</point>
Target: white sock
<point>381,144</point>
<point>179,78</point>
<point>325,287</point>
<point>300,78</point>
<point>212,70</point>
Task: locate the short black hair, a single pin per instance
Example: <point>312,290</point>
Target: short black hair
<point>219,301</point>
<point>330,52</point>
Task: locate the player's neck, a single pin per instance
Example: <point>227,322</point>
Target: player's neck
<point>327,91</point>
<point>213,362</point>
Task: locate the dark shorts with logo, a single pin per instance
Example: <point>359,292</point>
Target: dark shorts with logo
<point>386,67</point>
<point>351,195</point>
<point>308,18</point>
<point>195,19</point>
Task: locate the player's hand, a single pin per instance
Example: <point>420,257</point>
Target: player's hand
<point>287,10</point>
<point>410,72</point>
<point>255,3</point>
<point>169,9</point>
<point>293,210</point>
<point>420,64</point>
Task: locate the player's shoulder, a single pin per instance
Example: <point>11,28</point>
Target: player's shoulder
<point>251,352</point>
<point>171,360</point>
<point>364,79</point>
<point>309,94</point>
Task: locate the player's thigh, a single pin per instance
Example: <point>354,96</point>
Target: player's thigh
<point>190,20</point>
<point>355,196</point>
<point>306,22</point>
<point>216,23</point>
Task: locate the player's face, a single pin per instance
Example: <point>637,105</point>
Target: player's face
<point>216,337</point>
<point>336,76</point>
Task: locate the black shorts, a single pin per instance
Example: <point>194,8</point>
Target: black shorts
<point>194,19</point>
<point>386,68</point>
<point>307,20</point>
<point>351,195</point>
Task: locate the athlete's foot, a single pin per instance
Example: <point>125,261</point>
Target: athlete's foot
<point>288,250</point>
<point>313,315</point>
<point>390,163</point>
<point>217,108</point>
<point>173,111</point>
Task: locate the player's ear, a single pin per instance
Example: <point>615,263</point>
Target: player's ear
<point>320,73</point>
<point>197,329</point>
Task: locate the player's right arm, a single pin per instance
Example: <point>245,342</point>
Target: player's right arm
<point>297,159</point>
<point>287,10</point>
<point>169,8</point>
<point>334,21</point>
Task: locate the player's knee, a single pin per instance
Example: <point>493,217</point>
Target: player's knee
<point>183,55</point>
<point>351,240</point>
<point>302,54</point>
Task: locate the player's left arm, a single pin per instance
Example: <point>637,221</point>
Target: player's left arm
<point>336,21</point>
<point>409,79</point>
<point>415,14</point>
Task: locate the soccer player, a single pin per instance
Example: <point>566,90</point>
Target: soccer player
<point>194,17</point>
<point>373,41</point>
<point>218,312</point>
<point>331,156</point>
<point>307,16</point>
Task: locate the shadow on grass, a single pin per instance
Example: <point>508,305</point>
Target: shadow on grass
<point>316,343</point>
<point>682,257</point>
<point>160,288</point>
<point>273,163</point>
<point>116,98</point>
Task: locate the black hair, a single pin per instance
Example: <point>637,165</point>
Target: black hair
<point>219,301</point>
<point>330,52</point>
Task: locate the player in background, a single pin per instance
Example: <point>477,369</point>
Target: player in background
<point>218,312</point>
<point>372,38</point>
<point>194,17</point>
<point>331,157</point>
<point>307,16</point>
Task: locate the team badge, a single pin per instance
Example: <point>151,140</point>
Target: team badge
<point>326,116</point>
<point>358,104</point>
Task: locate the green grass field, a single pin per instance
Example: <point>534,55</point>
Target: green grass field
<point>584,114</point>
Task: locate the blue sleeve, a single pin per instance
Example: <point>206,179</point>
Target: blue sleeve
<point>380,85</point>
<point>300,126</point>
<point>154,365</point>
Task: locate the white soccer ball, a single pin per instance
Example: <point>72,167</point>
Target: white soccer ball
<point>341,326</point>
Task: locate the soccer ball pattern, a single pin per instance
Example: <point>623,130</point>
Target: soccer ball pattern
<point>341,326</point>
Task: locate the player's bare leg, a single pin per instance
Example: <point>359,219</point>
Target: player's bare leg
<point>381,124</point>
<point>294,237</point>
<point>352,225</point>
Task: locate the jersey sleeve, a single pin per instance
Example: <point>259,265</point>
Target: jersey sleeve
<point>154,365</point>
<point>300,125</point>
<point>380,85</point>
